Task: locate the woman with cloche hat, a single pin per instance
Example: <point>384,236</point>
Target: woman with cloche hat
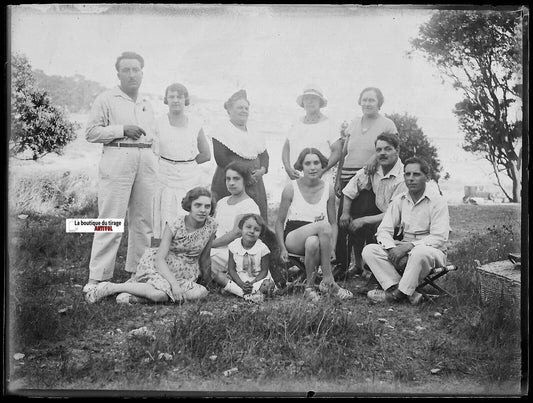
<point>314,129</point>
<point>233,140</point>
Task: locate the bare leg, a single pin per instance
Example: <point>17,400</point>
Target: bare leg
<point>312,258</point>
<point>143,290</point>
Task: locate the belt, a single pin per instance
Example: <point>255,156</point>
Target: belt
<point>176,161</point>
<point>135,145</point>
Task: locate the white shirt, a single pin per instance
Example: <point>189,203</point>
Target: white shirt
<point>319,135</point>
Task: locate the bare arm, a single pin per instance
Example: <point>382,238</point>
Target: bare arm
<point>265,264</point>
<point>286,159</point>
<point>335,156</point>
<point>286,200</point>
<point>203,148</point>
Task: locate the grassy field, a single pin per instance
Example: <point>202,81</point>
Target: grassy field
<point>286,345</point>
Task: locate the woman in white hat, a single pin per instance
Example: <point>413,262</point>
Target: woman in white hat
<point>314,129</point>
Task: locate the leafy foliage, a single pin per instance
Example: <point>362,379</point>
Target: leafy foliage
<point>72,93</point>
<point>415,142</point>
<point>480,52</point>
<point>37,126</point>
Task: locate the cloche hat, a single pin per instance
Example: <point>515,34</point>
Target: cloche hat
<point>312,89</point>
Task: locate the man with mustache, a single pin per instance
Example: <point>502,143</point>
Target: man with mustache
<point>422,215</point>
<point>124,123</point>
<point>366,197</point>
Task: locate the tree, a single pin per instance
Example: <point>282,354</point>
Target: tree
<point>415,142</point>
<point>37,127</point>
<point>480,52</point>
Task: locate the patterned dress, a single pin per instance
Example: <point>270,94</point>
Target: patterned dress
<point>182,258</point>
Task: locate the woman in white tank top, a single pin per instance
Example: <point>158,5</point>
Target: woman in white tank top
<point>308,206</point>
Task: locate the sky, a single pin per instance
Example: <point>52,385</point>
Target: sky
<point>273,52</point>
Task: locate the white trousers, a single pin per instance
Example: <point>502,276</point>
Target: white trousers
<point>127,179</point>
<point>422,259</point>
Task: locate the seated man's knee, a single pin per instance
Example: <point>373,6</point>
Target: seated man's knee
<point>371,249</point>
<point>420,252</point>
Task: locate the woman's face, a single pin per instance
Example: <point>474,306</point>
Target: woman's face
<point>250,231</point>
<point>175,101</point>
<point>238,112</point>
<point>369,103</point>
<point>311,166</point>
<point>311,103</point>
<point>234,182</point>
<point>200,209</point>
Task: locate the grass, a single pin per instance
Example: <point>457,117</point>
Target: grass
<point>283,345</point>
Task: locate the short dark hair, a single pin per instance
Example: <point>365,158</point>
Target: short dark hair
<point>242,169</point>
<point>298,165</point>
<point>129,55</point>
<point>378,92</point>
<point>424,166</point>
<point>180,89</point>
<point>258,219</point>
<point>392,138</point>
<point>194,194</point>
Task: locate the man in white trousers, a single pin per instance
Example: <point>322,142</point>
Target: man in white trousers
<point>421,215</point>
<point>124,122</point>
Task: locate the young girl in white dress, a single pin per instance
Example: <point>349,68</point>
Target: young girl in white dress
<point>249,260</point>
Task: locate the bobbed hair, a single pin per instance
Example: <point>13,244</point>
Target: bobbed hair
<point>424,166</point>
<point>242,170</point>
<point>180,89</point>
<point>258,219</point>
<point>129,55</point>
<point>378,92</point>
<point>391,138</point>
<point>298,165</point>
<point>194,194</point>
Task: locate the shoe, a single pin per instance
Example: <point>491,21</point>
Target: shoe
<point>416,298</point>
<point>371,284</point>
<point>311,295</point>
<point>88,286</point>
<point>255,297</point>
<point>100,291</point>
<point>354,270</point>
<point>127,298</point>
<point>391,296</point>
<point>339,272</point>
<point>339,292</point>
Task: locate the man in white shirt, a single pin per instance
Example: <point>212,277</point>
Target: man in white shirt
<point>421,216</point>
<point>124,122</point>
<point>366,198</point>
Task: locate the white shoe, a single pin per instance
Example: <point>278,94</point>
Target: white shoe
<point>97,293</point>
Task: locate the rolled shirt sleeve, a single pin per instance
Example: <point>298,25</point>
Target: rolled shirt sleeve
<point>358,182</point>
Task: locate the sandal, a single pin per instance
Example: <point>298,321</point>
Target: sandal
<point>339,292</point>
<point>100,291</point>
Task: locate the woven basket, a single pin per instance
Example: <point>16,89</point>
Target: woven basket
<point>500,284</point>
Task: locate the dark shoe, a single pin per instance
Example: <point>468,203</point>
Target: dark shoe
<point>371,284</point>
<point>339,272</point>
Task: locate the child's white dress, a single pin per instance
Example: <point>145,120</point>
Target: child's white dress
<point>248,261</point>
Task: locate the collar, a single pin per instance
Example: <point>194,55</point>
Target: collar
<point>117,92</point>
<point>428,194</point>
<point>396,171</point>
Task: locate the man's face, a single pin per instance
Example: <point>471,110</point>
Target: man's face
<point>386,153</point>
<point>130,75</point>
<point>415,179</point>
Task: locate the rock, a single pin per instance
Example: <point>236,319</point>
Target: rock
<point>420,328</point>
<point>65,309</point>
<point>231,371</point>
<point>418,320</point>
<point>142,332</point>
<point>437,315</point>
<point>18,356</point>
<point>206,313</point>
<point>435,371</point>
<point>23,216</point>
<point>213,357</point>
<point>382,320</point>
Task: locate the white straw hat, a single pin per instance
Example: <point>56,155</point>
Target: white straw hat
<point>312,89</point>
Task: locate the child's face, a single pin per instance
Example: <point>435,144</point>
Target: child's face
<point>250,230</point>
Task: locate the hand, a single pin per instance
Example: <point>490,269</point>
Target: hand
<point>345,220</point>
<point>396,253</point>
<point>355,224</point>
<point>371,168</point>
<point>133,132</point>
<point>247,287</point>
<point>257,174</point>
<point>177,293</point>
<point>292,173</point>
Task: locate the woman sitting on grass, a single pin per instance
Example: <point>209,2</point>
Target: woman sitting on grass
<point>305,203</point>
<point>249,260</point>
<point>170,272</point>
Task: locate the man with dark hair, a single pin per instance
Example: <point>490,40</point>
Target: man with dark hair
<point>421,216</point>
<point>124,123</point>
<point>366,198</point>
